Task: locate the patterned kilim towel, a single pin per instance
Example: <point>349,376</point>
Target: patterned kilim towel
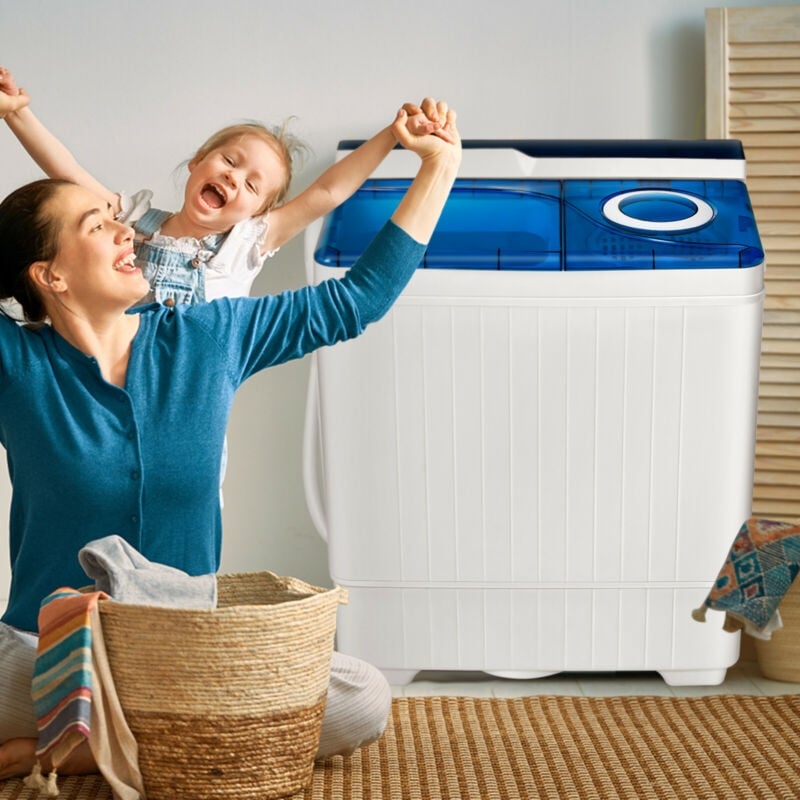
<point>759,569</point>
<point>62,679</point>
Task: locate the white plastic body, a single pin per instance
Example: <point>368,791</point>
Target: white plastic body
<point>535,472</point>
<point>508,163</point>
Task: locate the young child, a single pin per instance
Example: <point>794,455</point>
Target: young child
<point>234,213</point>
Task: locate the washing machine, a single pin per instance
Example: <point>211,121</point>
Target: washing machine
<point>537,460</point>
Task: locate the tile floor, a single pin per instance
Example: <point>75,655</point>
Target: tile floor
<point>742,678</point>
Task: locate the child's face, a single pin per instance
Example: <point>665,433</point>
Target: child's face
<point>233,182</point>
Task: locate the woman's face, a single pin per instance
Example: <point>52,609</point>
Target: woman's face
<point>94,260</point>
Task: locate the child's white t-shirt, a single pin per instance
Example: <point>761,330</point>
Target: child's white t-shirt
<point>231,272</point>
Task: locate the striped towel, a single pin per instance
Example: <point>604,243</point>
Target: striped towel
<point>62,675</point>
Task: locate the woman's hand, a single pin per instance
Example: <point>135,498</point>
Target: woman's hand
<point>7,82</point>
<point>427,129</point>
<point>430,117</point>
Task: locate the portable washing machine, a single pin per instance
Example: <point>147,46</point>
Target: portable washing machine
<point>538,460</point>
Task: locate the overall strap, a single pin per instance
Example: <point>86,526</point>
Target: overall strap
<point>150,222</point>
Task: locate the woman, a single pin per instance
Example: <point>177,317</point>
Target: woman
<point>78,382</point>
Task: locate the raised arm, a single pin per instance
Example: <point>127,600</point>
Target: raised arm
<point>44,148</point>
<point>339,182</point>
<point>281,327</point>
<point>419,210</point>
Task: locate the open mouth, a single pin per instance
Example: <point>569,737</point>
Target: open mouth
<point>213,196</point>
<point>126,264</point>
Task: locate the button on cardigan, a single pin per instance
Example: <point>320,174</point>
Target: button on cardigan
<point>88,459</point>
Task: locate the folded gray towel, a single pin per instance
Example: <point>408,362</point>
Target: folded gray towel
<point>122,572</point>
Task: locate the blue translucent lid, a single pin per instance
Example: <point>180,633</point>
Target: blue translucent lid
<point>574,225</point>
<point>680,224</point>
<point>503,224</point>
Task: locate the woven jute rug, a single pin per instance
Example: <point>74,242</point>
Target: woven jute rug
<point>582,748</point>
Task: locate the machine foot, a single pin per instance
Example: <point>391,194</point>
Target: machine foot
<point>399,677</point>
<point>693,677</point>
<point>519,674</point>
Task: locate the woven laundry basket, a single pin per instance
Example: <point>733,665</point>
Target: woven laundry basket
<point>226,703</point>
<point>779,656</point>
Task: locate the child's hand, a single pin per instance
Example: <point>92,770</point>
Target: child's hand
<point>431,117</point>
<point>7,82</point>
<point>414,125</point>
<point>10,103</point>
<point>12,98</point>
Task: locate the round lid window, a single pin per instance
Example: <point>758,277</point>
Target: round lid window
<point>658,210</point>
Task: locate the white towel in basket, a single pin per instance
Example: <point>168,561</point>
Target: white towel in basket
<point>122,572</point>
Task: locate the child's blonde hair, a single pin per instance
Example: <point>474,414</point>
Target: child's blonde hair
<point>291,149</point>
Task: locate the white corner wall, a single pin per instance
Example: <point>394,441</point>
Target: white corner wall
<point>133,88</point>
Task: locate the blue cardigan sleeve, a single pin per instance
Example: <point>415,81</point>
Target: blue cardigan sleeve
<point>255,333</point>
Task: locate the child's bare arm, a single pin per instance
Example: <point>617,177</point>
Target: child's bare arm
<point>43,147</point>
<point>341,180</point>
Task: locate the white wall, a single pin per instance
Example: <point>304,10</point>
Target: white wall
<point>133,88</point>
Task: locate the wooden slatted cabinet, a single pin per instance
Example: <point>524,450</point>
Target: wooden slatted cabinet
<point>753,94</point>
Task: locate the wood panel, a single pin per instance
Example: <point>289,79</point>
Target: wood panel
<point>753,94</point>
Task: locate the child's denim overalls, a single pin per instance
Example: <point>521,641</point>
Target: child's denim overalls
<point>175,269</point>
